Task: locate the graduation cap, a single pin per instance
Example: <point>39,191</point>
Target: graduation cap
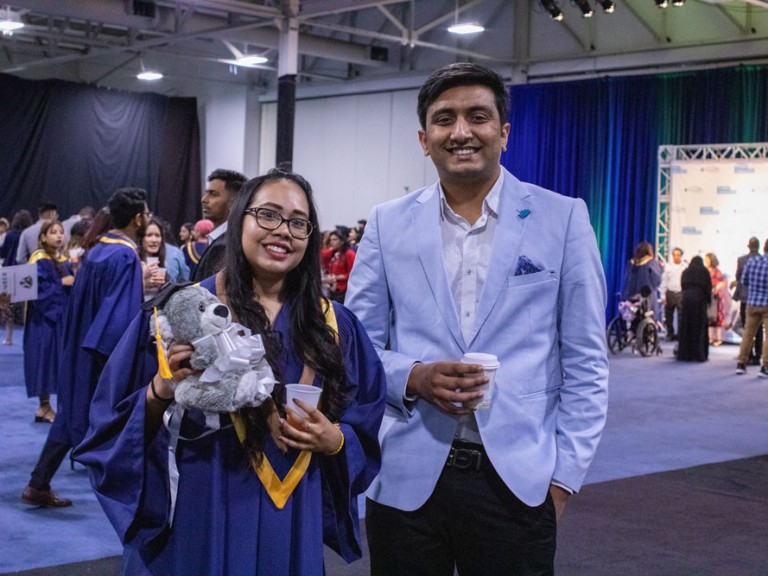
<point>162,297</point>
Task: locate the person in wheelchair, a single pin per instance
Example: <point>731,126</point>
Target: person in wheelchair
<point>644,272</point>
<point>639,307</point>
<point>635,325</point>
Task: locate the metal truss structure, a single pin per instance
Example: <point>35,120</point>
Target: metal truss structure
<point>669,154</point>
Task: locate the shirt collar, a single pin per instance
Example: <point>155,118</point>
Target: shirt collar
<point>216,232</point>
<point>490,202</point>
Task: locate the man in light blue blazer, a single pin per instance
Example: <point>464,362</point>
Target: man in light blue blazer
<point>479,262</point>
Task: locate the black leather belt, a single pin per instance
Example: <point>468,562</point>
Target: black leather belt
<point>466,456</point>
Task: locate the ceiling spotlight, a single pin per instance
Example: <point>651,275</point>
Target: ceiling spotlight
<point>251,60</point>
<point>552,9</point>
<point>149,75</point>
<point>661,3</point>
<point>10,21</point>
<point>586,9</point>
<point>464,27</point>
<point>678,2</point>
<point>470,28</point>
<point>609,6</point>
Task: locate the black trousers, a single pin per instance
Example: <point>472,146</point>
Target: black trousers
<point>674,302</point>
<point>756,351</point>
<point>50,459</point>
<point>471,522</point>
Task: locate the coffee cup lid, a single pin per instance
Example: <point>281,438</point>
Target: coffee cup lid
<point>485,360</point>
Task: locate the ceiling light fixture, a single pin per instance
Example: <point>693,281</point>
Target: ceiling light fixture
<point>148,75</point>
<point>586,9</point>
<point>609,6</point>
<point>678,3</point>
<point>661,3</point>
<point>464,27</point>
<point>10,21</point>
<point>552,9</point>
<point>251,60</point>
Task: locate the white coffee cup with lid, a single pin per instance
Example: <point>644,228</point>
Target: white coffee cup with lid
<point>490,364</point>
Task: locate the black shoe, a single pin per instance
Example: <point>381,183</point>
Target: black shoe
<point>43,498</point>
<point>741,368</point>
<point>763,372</point>
<point>753,361</point>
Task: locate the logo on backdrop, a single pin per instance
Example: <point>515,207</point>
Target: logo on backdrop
<point>743,169</point>
<point>691,231</point>
<point>694,189</point>
<point>726,190</point>
<point>709,210</point>
<point>712,169</point>
<point>677,169</point>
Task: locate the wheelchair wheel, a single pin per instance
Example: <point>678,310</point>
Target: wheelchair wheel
<point>617,335</point>
<point>647,337</point>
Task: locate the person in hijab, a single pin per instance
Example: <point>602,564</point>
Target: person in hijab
<point>697,292</point>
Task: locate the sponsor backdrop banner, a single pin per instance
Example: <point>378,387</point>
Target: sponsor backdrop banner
<point>716,206</point>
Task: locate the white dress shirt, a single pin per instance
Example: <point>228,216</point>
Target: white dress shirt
<point>466,253</point>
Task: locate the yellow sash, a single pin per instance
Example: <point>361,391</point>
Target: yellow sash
<point>42,254</point>
<point>280,490</point>
<point>124,242</point>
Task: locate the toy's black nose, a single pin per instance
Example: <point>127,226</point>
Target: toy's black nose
<point>221,310</point>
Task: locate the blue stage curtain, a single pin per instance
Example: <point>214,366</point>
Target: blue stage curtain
<point>598,140</point>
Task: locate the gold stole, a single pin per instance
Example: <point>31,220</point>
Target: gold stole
<point>280,490</point>
<point>124,242</point>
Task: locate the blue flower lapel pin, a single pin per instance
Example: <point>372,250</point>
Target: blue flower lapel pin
<point>522,214</point>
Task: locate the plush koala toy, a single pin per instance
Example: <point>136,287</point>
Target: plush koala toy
<point>231,369</point>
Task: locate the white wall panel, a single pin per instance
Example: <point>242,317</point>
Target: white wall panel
<point>356,151</point>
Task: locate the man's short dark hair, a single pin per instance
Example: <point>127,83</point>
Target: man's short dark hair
<point>678,249</point>
<point>44,207</point>
<point>462,74</point>
<point>753,244</point>
<point>125,204</point>
<point>233,181</point>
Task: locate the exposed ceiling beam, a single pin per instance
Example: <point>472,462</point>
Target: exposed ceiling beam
<point>318,8</point>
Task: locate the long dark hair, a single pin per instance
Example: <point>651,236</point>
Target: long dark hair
<point>54,253</point>
<point>140,241</point>
<point>312,339</point>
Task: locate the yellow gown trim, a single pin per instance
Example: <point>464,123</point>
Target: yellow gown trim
<point>280,490</point>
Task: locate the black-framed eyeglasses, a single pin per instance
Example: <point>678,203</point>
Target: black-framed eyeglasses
<point>272,220</point>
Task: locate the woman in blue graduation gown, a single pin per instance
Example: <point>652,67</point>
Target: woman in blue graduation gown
<point>224,520</point>
<point>44,319</point>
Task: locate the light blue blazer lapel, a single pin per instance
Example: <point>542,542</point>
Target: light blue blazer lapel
<point>507,245</point>
<point>425,214</point>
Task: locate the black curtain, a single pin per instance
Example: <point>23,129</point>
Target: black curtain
<point>74,145</point>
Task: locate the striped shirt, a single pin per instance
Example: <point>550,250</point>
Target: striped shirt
<point>755,277</point>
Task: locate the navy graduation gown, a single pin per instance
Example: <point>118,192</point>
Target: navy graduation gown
<point>225,523</point>
<point>106,296</point>
<point>43,326</point>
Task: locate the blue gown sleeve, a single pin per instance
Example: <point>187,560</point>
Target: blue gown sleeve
<point>119,306</point>
<point>350,472</point>
<point>128,474</point>
<point>50,292</point>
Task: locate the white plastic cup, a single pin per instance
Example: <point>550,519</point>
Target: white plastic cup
<point>152,260</point>
<point>160,272</point>
<point>490,364</point>
<point>305,393</point>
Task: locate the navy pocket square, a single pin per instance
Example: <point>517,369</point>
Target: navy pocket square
<point>525,266</point>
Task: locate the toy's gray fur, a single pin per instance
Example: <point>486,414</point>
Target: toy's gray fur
<point>188,315</point>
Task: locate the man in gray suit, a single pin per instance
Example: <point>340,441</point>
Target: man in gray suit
<point>479,262</point>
